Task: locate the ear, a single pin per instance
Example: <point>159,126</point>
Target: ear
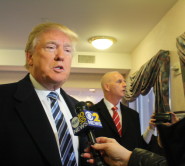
<point>29,59</point>
<point>106,87</point>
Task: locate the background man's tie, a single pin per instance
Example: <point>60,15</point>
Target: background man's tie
<point>65,141</point>
<point>116,120</point>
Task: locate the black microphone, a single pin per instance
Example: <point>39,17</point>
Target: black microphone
<point>84,123</point>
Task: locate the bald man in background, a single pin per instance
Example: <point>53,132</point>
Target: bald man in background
<point>113,85</point>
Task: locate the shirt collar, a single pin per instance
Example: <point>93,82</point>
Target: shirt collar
<point>40,89</point>
<point>110,105</point>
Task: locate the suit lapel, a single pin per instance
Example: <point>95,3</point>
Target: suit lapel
<point>70,102</point>
<point>105,115</point>
<point>36,122</point>
<point>124,118</point>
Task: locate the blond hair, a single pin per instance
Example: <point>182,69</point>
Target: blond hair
<point>42,28</point>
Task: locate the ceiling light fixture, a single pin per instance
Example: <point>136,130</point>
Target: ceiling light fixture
<point>102,42</point>
<point>92,90</point>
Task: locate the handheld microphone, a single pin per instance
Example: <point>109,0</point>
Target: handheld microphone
<point>84,123</point>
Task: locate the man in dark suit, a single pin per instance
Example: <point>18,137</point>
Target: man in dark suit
<point>113,86</point>
<point>28,134</point>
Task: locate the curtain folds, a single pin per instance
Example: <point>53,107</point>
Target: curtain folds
<point>155,73</point>
<point>181,52</point>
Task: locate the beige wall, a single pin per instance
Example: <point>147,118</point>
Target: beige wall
<point>75,80</point>
<point>15,59</point>
<point>77,85</point>
<point>163,36</point>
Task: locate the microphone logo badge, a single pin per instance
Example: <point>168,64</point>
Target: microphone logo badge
<point>75,122</point>
<point>81,117</point>
<point>84,121</point>
<point>89,115</point>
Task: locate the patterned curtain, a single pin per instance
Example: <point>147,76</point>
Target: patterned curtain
<point>155,73</point>
<point>181,52</point>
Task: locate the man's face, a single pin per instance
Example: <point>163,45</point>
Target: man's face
<point>50,61</point>
<point>117,86</point>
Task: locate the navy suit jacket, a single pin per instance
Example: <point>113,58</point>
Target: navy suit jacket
<point>26,137</point>
<point>131,133</point>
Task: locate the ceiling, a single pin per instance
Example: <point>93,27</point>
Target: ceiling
<point>129,21</point>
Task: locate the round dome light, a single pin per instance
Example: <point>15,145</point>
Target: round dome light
<point>102,43</point>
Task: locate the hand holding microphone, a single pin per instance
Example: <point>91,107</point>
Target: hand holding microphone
<point>84,124</point>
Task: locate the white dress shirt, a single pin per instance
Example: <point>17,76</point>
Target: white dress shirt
<point>109,107</point>
<point>147,135</point>
<point>42,94</point>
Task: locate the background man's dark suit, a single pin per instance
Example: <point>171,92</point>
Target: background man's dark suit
<point>131,134</point>
<point>24,127</point>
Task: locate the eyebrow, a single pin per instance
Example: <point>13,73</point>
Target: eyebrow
<point>51,42</point>
<point>120,80</point>
<point>67,45</point>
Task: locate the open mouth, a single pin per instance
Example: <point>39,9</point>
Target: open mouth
<point>58,68</point>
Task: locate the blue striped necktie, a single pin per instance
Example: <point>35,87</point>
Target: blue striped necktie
<point>65,141</point>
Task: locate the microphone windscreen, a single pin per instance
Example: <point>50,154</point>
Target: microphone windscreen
<point>80,106</point>
<point>85,119</point>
